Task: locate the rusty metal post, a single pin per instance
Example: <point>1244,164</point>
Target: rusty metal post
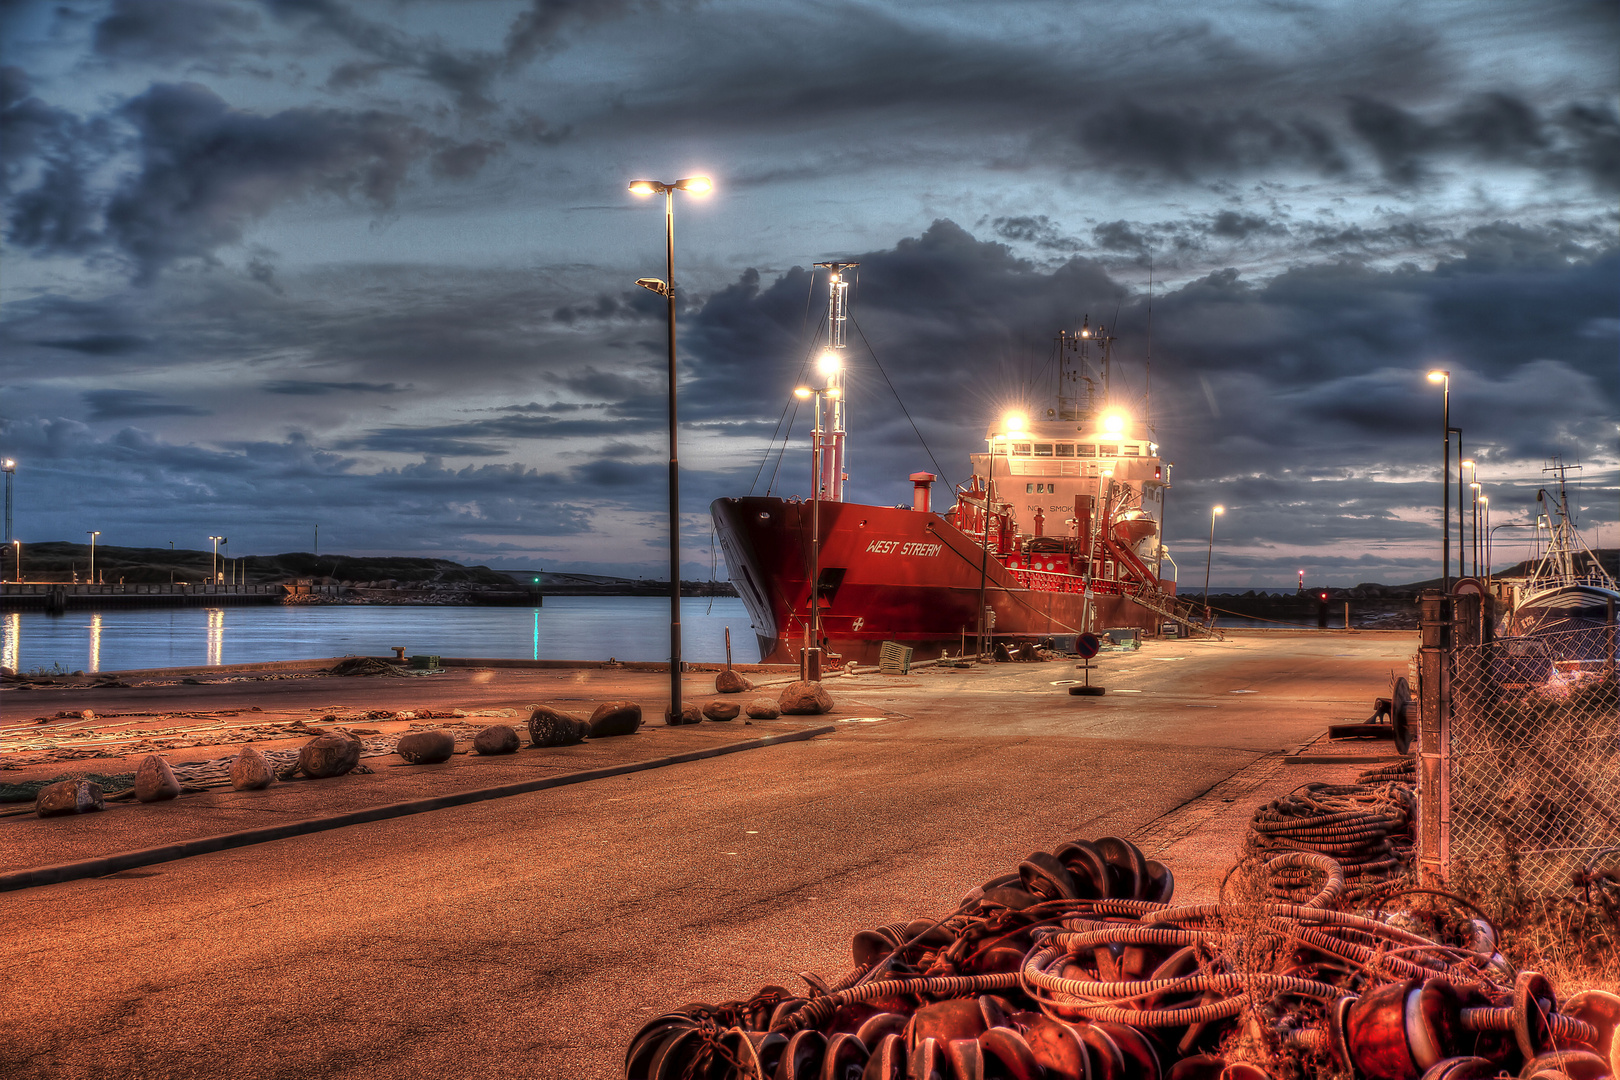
<point>1434,698</point>
<point>1609,642</point>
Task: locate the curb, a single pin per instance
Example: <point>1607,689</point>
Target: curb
<point>128,860</point>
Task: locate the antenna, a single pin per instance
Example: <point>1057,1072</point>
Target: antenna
<point>1147,368</point>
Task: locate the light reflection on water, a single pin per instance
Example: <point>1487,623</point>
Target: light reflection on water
<point>566,628</point>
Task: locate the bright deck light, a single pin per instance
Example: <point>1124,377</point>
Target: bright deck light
<point>1013,422</point>
<point>828,363</point>
<point>644,187</point>
<point>696,185</point>
<point>1114,423</point>
<point>802,392</point>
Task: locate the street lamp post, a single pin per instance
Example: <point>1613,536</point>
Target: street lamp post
<point>10,468</point>
<point>1473,542</point>
<point>1485,512</point>
<point>1445,481</point>
<point>829,369</point>
<point>93,534</point>
<point>1014,423</point>
<point>695,185</point>
<point>1209,556</point>
<point>18,545</point>
<point>213,572</point>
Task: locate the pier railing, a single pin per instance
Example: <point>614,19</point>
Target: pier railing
<point>1519,777</point>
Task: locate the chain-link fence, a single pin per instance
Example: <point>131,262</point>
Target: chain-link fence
<point>1533,760</point>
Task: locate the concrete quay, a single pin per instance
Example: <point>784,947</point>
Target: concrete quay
<point>534,933</point>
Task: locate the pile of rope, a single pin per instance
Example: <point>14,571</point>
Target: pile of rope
<point>367,665</point>
<point>1365,826</point>
<point>1128,986</point>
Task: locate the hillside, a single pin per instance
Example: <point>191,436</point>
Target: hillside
<point>58,561</point>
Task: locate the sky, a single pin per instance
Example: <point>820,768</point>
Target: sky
<point>270,265</point>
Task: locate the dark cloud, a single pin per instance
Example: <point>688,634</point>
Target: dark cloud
<point>134,404</point>
<point>1120,236</point>
<point>172,30</point>
<point>1237,226</point>
<point>100,344</point>
<point>538,29</point>
<point>1190,142</point>
<point>459,161</point>
<point>1038,230</point>
<point>464,73</point>
<point>314,388</point>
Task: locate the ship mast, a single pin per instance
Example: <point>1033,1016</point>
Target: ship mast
<point>832,367</point>
<point>1564,544</point>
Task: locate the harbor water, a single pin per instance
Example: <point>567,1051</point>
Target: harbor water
<point>566,628</point>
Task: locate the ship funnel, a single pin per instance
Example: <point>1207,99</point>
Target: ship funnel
<point>919,496</point>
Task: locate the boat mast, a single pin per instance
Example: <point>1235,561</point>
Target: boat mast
<point>833,366</point>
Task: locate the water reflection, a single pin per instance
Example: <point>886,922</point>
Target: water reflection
<point>95,642</point>
<point>11,642</point>
<point>537,633</point>
<point>216,635</point>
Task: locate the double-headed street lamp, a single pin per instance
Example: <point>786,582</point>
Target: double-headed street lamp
<point>1209,556</point>
<point>1014,423</point>
<point>1444,377</point>
<point>828,367</point>
<point>694,185</point>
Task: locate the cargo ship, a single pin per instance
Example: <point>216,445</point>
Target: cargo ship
<point>1057,533</point>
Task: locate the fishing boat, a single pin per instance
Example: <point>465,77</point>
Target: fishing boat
<point>1568,587</point>
<point>1057,533</point>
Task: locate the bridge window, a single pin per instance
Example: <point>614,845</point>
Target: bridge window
<point>1021,449</point>
<point>1043,449</point>
<point>1087,450</point>
<point>1133,449</point>
<point>1065,449</point>
<point>1108,450</point>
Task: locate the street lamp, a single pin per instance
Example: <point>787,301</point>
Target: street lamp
<point>1485,513</point>
<point>93,534</point>
<point>18,545</point>
<point>9,467</point>
<point>1445,481</point>
<point>829,369</point>
<point>1210,554</point>
<point>694,185</point>
<point>213,573</point>
<point>1474,524</point>
<point>1014,423</point>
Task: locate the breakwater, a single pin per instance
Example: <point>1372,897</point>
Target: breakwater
<point>46,596</point>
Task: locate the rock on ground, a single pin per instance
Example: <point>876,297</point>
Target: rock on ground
<point>804,699</point>
<point>497,739</point>
<point>722,710</point>
<point>729,682</point>
<point>328,755</point>
<point>251,770</point>
<point>553,727</point>
<point>426,747</point>
<point>68,797</point>
<point>763,709</point>
<point>690,714</point>
<point>155,781</point>
<point>615,718</point>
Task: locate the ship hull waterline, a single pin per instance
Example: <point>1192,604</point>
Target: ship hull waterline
<point>890,574</point>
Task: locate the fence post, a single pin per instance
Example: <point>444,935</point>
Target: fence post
<point>1434,700</point>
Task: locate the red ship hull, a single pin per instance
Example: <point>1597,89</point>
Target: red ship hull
<point>894,574</point>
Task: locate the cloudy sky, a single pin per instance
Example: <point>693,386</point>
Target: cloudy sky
<point>369,264</point>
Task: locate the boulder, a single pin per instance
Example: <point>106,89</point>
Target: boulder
<point>67,797</point>
<point>552,727</point>
<point>155,781</point>
<point>763,709</point>
<point>251,770</point>
<point>690,714</point>
<point>615,718</point>
<point>497,739</point>
<point>804,698</point>
<point>729,682</point>
<point>427,747</point>
<point>722,710</point>
<point>328,755</point>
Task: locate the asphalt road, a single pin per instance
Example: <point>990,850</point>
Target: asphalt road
<point>531,936</point>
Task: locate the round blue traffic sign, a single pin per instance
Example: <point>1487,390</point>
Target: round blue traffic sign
<point>1087,646</point>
